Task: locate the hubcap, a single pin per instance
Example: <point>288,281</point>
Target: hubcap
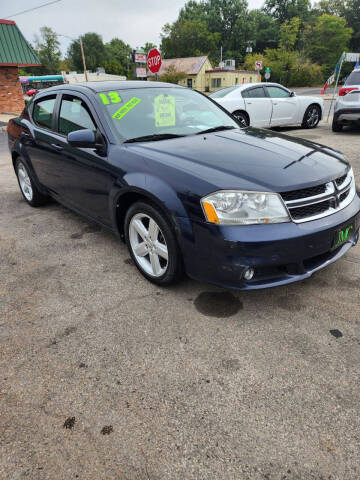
<point>25,183</point>
<point>148,245</point>
<point>313,117</point>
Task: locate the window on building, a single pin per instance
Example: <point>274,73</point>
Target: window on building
<point>43,111</point>
<point>236,80</point>
<point>250,80</point>
<point>215,82</point>
<point>74,115</point>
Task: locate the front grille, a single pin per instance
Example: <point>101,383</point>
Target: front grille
<point>316,202</point>
<point>305,192</point>
<point>311,210</point>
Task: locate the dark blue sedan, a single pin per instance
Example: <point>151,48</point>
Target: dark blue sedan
<point>171,172</point>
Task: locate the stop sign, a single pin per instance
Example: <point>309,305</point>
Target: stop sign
<point>154,60</point>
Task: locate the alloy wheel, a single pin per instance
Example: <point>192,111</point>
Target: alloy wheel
<point>25,182</point>
<point>148,245</point>
<point>313,117</point>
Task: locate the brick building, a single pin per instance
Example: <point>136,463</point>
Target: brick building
<point>15,52</point>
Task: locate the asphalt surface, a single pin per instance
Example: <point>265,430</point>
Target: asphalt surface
<point>105,376</point>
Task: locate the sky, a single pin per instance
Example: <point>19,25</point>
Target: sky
<point>134,21</point>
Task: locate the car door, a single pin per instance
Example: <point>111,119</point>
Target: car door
<point>284,106</point>
<point>85,177</point>
<point>258,106</point>
<point>39,138</point>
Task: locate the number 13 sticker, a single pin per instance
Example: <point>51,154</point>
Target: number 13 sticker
<point>110,97</point>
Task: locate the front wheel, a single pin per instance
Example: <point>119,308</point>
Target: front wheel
<point>152,244</point>
<point>312,117</point>
<point>241,118</point>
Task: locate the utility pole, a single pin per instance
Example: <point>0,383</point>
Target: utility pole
<point>83,59</point>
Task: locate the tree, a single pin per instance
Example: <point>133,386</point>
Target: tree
<point>327,40</point>
<point>148,46</point>
<point>94,49</point>
<point>47,47</point>
<point>188,38</point>
<point>265,28</point>
<point>289,33</point>
<point>171,75</point>
<point>285,10</point>
<point>117,55</point>
<point>352,15</point>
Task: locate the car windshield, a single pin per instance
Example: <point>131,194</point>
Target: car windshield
<point>163,112</point>
<point>353,78</point>
<point>223,92</point>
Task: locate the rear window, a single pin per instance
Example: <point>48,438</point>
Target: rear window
<point>353,78</point>
<point>223,92</point>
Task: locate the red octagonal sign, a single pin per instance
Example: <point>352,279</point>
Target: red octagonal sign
<point>154,60</point>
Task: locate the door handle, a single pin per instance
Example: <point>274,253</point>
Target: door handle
<point>249,103</point>
<point>274,103</point>
<point>57,147</point>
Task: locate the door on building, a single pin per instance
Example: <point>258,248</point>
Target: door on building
<point>189,82</point>
<point>258,106</point>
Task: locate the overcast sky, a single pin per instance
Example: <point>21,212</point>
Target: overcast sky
<point>134,21</point>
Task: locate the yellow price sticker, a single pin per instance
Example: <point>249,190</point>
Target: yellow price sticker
<point>164,108</point>
<point>119,114</point>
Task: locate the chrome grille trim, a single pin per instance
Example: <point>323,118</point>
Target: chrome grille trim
<point>332,194</point>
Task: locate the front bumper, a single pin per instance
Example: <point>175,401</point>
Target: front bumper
<point>347,115</point>
<point>279,253</point>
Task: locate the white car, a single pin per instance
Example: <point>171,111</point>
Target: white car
<point>269,105</point>
<point>347,106</point>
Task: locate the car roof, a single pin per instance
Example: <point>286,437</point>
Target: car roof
<point>111,85</point>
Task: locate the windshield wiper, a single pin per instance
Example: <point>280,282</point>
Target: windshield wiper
<point>216,129</point>
<point>153,137</point>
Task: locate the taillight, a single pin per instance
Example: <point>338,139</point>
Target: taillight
<point>345,90</point>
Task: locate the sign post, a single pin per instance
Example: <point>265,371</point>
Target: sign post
<point>154,61</point>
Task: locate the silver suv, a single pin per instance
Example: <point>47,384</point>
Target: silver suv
<point>347,106</point>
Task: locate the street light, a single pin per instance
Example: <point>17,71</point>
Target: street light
<point>82,51</point>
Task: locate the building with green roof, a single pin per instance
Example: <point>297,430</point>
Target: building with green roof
<point>15,52</point>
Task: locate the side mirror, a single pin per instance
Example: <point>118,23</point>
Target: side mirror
<point>292,94</point>
<point>86,139</point>
<point>82,139</point>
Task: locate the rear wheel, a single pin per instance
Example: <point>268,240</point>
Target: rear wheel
<point>242,118</point>
<point>336,127</point>
<point>29,190</point>
<point>312,117</point>
<point>152,244</point>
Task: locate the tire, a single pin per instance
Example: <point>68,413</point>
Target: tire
<point>28,188</point>
<point>149,234</point>
<point>312,117</point>
<point>336,127</point>
<point>242,118</point>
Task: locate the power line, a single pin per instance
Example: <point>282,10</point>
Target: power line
<point>31,9</point>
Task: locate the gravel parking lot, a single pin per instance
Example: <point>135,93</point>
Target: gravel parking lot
<point>106,376</point>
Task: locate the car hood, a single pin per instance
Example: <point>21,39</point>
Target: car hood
<point>248,158</point>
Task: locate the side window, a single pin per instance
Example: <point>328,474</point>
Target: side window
<point>43,111</point>
<point>74,115</point>
<point>257,92</point>
<point>276,92</point>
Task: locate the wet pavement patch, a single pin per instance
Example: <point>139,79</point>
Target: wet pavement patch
<point>69,423</point>
<point>129,261</point>
<point>291,302</point>
<point>87,229</point>
<point>336,333</point>
<point>107,430</point>
<point>217,304</point>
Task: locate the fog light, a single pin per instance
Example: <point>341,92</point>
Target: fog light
<point>249,273</point>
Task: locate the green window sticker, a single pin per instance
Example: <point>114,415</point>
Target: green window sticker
<point>110,97</point>
<point>119,114</point>
<point>164,108</point>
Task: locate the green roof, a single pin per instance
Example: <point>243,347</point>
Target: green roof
<point>14,49</point>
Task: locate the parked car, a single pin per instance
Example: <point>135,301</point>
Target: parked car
<point>269,105</point>
<point>347,106</point>
<point>171,173</point>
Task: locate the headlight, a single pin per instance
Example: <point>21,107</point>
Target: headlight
<point>229,207</point>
